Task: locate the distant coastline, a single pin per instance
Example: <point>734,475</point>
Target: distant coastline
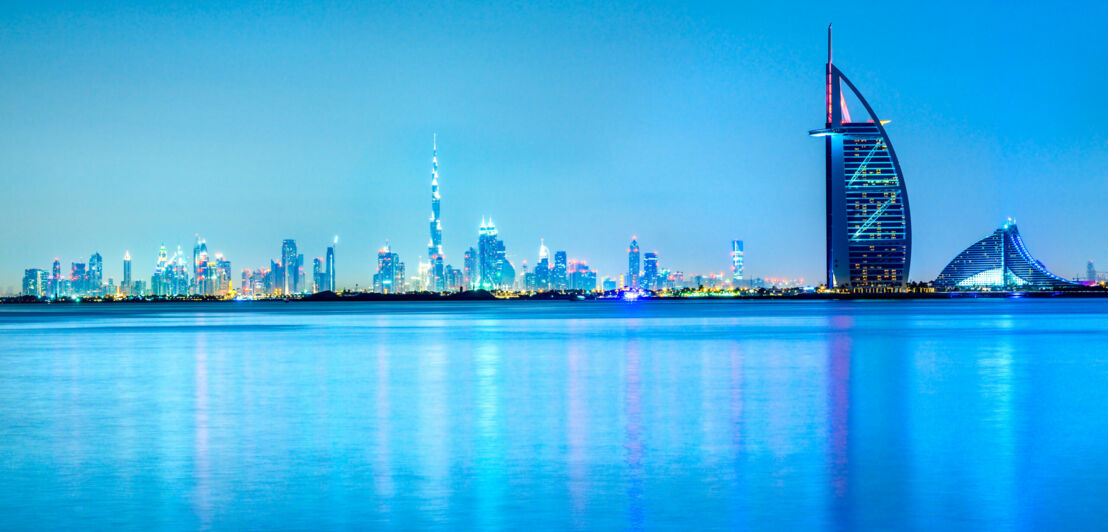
<point>483,295</point>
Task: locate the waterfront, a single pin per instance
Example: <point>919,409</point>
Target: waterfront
<point>555,415</point>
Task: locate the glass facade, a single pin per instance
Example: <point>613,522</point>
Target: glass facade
<point>999,261</point>
<point>869,230</point>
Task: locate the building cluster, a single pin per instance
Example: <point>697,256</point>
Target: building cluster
<point>485,267</point>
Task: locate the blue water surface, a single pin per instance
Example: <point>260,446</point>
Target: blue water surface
<point>909,415</point>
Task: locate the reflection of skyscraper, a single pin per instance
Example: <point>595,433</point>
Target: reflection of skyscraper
<point>869,230</point>
<point>633,264</point>
<point>290,261</point>
<point>736,261</point>
<point>434,247</point>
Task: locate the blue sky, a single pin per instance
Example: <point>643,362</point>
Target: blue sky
<point>683,124</point>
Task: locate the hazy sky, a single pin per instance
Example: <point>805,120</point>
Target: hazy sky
<point>686,125</point>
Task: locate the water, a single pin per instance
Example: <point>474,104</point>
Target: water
<point>556,415</point>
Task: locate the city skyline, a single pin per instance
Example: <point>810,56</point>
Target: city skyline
<point>113,197</point>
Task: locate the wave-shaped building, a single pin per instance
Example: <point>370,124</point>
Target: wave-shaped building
<point>869,229</point>
<point>999,261</point>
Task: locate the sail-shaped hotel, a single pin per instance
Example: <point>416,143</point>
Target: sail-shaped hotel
<point>869,226</point>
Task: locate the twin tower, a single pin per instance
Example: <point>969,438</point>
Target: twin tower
<point>869,225</point>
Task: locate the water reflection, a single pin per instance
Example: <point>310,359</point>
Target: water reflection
<point>555,416</point>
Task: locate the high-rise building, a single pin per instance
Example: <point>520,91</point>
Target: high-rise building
<point>494,269</point>
<point>290,259</point>
<point>389,278</point>
<point>434,246</point>
<point>470,269</point>
<point>649,271</point>
<point>1090,272</point>
<point>540,277</point>
<point>78,278</point>
<point>319,280</point>
<point>126,286</point>
<point>580,277</point>
<point>331,266</point>
<point>34,280</point>
<point>736,261</point>
<point>869,229</point>
<point>95,273</point>
<point>559,278</point>
<point>56,279</point>
<point>633,264</point>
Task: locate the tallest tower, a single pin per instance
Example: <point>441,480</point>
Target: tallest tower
<point>434,247</point>
<point>869,229</point>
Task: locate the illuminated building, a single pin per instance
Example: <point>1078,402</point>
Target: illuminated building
<point>580,277</point>
<point>633,264</point>
<point>437,273</point>
<point>319,280</point>
<point>869,230</point>
<point>290,259</point>
<point>736,261</point>
<point>78,279</point>
<point>389,278</point>
<point>649,279</point>
<point>56,279</point>
<point>95,274</point>
<point>540,277</point>
<point>494,270</point>
<point>470,269</point>
<point>34,280</point>
<point>126,285</point>
<point>330,272</point>
<point>559,279</point>
<point>999,261</point>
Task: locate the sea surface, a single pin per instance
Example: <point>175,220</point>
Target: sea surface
<point>906,415</point>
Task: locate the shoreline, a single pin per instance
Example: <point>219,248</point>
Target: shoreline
<point>484,296</point>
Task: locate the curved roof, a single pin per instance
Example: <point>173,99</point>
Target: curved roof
<point>1000,260</point>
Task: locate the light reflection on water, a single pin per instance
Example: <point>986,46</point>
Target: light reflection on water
<point>556,415</point>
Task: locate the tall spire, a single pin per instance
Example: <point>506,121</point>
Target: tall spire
<point>434,246</point>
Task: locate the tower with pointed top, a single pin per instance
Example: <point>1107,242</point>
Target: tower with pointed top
<point>869,229</point>
<point>434,246</point>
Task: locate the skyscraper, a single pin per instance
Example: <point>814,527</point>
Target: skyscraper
<point>470,269</point>
<point>95,273</point>
<point>434,247</point>
<point>633,264</point>
<point>319,281</point>
<point>649,270</point>
<point>33,281</point>
<point>1090,272</point>
<point>126,286</point>
<point>869,230</point>
<point>559,274</point>
<point>56,279</point>
<point>331,266</point>
<point>290,260</point>
<point>492,262</point>
<point>736,261</point>
<point>540,278</point>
